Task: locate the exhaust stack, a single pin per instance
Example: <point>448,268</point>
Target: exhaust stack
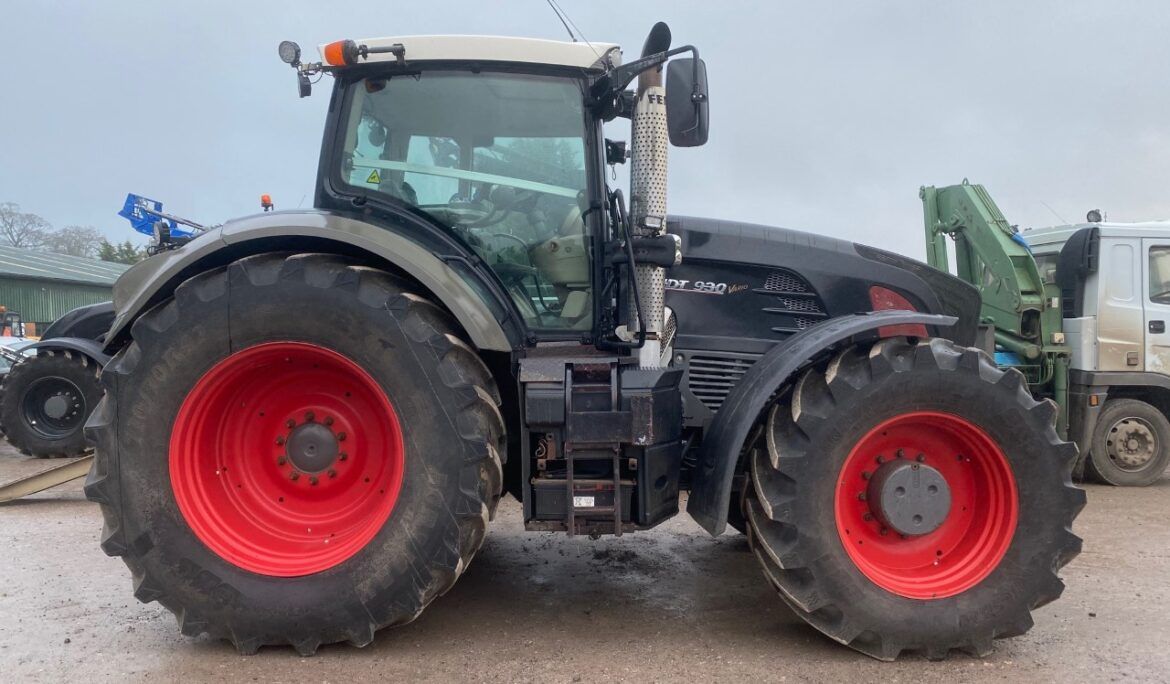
<point>648,172</point>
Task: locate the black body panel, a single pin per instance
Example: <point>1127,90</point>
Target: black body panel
<point>88,322</point>
<point>744,287</point>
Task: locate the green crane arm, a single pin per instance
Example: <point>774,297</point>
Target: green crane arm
<point>1023,309</point>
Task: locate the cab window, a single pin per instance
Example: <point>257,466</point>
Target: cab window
<point>499,160</point>
<point>1160,275</point>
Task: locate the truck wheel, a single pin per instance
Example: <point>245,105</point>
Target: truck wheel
<point>44,401</point>
<point>913,497</point>
<point>1131,444</point>
<point>295,450</point>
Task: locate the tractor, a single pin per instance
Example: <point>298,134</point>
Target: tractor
<point>311,416</point>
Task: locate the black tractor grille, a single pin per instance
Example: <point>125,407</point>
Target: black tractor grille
<point>783,281</point>
<point>710,378</point>
<point>792,301</point>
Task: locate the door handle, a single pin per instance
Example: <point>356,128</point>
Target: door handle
<point>1157,326</point>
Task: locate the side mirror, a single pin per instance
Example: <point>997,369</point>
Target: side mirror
<point>686,102</point>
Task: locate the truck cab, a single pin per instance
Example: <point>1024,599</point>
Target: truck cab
<point>1114,280</point>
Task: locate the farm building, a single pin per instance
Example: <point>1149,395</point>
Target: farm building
<point>41,286</point>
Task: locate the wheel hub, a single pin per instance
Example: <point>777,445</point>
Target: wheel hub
<point>286,458</point>
<point>1131,443</point>
<point>57,406</point>
<point>312,447</point>
<point>908,538</point>
<point>911,498</point>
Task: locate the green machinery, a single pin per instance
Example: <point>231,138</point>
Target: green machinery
<point>1021,311</point>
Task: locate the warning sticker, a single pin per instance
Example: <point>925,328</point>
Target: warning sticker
<point>374,177</point>
<point>583,502</point>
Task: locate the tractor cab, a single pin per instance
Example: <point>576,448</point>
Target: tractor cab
<point>498,141</point>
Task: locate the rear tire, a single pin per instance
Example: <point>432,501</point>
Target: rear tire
<point>1131,444</point>
<point>45,400</point>
<point>355,341</point>
<point>1005,529</point>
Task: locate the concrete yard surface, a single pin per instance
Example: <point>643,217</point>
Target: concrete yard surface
<point>667,604</point>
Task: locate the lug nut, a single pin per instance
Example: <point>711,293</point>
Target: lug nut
<point>899,453</point>
<point>342,456</point>
<point>290,423</point>
<point>921,458</point>
<point>280,440</point>
<point>294,476</point>
<point>281,461</point>
<point>313,480</point>
<point>861,496</point>
<point>867,517</point>
<point>332,473</point>
<point>328,420</point>
<point>865,474</point>
<point>309,415</point>
<point>881,459</point>
<point>883,531</point>
<point>341,436</point>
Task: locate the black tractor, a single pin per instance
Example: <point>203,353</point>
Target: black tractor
<point>311,416</point>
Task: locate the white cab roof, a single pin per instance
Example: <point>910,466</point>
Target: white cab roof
<point>1058,235</point>
<point>496,49</point>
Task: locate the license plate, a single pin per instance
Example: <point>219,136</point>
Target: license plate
<point>583,502</point>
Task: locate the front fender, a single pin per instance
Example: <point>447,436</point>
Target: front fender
<point>91,348</point>
<point>152,280</point>
<point>724,441</point>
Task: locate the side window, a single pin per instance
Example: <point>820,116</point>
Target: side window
<point>431,151</point>
<point>1160,275</point>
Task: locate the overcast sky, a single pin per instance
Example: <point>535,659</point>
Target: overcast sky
<point>825,116</point>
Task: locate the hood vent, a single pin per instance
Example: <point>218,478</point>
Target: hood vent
<point>792,301</point>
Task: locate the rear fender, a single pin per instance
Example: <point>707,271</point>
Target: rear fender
<point>454,279</point>
<point>723,442</point>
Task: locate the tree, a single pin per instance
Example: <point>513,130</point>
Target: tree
<point>21,229</point>
<point>80,241</point>
<point>122,253</point>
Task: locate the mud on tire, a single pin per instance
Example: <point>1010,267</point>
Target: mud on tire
<point>451,431</point>
<point>808,500</point>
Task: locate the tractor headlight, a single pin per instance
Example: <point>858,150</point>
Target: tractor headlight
<point>290,52</point>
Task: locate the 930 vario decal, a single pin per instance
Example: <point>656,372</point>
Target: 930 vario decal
<point>703,286</point>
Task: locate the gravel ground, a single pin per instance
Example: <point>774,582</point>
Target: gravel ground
<point>667,604</point>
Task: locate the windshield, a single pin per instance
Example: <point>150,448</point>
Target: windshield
<point>499,159</point>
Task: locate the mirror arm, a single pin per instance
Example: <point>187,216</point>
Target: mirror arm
<point>606,90</point>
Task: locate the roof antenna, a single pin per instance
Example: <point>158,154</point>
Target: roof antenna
<point>1054,212</point>
<point>557,10</point>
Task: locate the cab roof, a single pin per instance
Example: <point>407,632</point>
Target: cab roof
<point>1058,235</point>
<point>496,49</point>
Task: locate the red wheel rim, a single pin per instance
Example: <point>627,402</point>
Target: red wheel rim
<point>253,500</point>
<point>971,540</point>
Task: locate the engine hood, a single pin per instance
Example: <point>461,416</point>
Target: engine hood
<point>743,287</point>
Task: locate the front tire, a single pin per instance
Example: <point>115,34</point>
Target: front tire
<point>1131,444</point>
<point>45,400</point>
<point>912,496</point>
<point>295,450</point>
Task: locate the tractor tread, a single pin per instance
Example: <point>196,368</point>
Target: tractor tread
<point>435,341</point>
<point>802,569</point>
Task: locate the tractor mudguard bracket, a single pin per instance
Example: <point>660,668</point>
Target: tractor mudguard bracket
<point>713,478</point>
